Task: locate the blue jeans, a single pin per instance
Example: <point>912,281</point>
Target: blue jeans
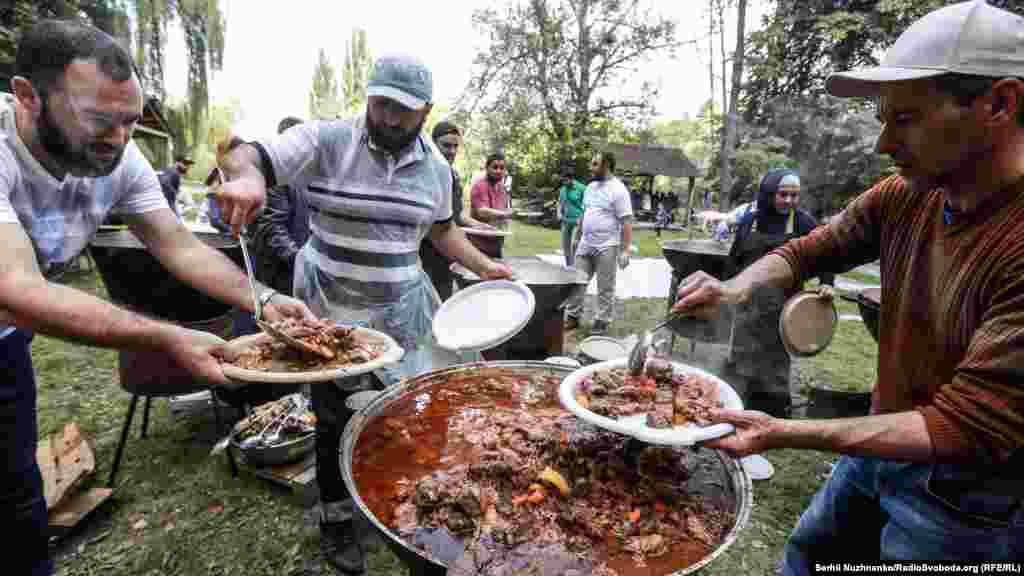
<point>879,509</point>
<point>567,230</point>
<point>22,506</point>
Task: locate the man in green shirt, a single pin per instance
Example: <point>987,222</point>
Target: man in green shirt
<point>570,207</point>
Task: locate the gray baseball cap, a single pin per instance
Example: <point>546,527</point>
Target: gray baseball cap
<point>967,38</point>
<point>403,79</point>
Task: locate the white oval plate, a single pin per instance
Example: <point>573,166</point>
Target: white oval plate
<point>492,232</point>
<point>483,315</point>
<point>391,355</point>
<point>631,426</point>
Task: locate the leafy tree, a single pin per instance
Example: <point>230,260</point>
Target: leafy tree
<point>202,24</point>
<point>803,41</point>
<point>573,62</point>
<point>216,127</point>
<point>355,73</point>
<point>324,102</point>
<point>731,107</point>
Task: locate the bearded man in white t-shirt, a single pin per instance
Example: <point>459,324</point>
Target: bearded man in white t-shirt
<point>66,162</point>
<point>604,234</point>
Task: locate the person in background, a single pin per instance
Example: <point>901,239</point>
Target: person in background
<point>935,472</point>
<point>721,233</point>
<point>170,180</point>
<point>759,365</point>
<point>570,208</point>
<point>448,139</point>
<point>604,233</point>
<point>490,203</point>
<point>661,219</point>
<point>214,179</point>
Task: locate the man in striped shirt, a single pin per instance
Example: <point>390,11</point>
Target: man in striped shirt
<point>935,472</point>
<point>374,189</point>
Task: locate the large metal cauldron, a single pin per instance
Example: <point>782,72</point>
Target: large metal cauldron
<point>136,279</point>
<point>689,256</point>
<point>413,558</point>
<point>551,285</point>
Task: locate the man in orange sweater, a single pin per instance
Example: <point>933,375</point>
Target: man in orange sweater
<point>935,472</point>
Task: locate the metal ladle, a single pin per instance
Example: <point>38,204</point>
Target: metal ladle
<point>274,332</point>
<point>638,355</point>
<point>267,327</point>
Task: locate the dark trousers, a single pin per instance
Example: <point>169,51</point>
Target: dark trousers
<point>22,506</point>
<point>331,417</point>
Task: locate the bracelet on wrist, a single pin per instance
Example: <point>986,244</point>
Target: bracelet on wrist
<point>267,296</point>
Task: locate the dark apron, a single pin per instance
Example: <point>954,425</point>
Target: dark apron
<point>759,364</point>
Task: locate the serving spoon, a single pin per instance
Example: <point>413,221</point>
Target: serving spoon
<point>268,328</point>
<point>638,355</point>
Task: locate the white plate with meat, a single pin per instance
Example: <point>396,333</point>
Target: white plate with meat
<point>353,350</point>
<point>668,405</point>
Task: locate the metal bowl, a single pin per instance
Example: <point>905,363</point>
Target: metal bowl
<point>282,453</point>
<point>420,563</point>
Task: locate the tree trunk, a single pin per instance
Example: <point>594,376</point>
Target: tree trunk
<point>725,174</point>
<point>729,140</point>
<point>711,75</point>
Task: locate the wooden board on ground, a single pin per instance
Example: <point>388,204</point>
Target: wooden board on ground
<point>65,460</point>
<point>297,476</point>
<point>75,508</point>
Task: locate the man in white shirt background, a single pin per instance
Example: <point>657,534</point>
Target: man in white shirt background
<point>604,233</point>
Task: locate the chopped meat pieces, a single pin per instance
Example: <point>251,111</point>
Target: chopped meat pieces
<point>527,489</point>
<point>668,399</point>
<point>334,346</point>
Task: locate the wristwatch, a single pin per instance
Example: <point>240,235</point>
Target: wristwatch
<point>266,296</point>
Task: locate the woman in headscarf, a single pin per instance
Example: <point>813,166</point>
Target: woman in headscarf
<point>759,365</point>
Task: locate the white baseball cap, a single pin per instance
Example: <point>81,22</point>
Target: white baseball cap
<point>967,38</point>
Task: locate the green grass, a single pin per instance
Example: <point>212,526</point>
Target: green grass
<point>527,240</point>
<point>862,278</point>
<point>176,510</point>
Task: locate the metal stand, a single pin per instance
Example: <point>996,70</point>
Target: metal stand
<point>145,425</point>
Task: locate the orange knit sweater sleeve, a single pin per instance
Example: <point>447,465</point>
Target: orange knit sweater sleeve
<point>952,335</point>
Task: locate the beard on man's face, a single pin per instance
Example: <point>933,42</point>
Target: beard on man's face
<point>392,139</point>
<point>81,160</point>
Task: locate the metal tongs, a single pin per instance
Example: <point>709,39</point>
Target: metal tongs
<point>267,327</point>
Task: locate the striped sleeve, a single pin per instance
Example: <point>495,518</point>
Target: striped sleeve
<point>443,207</point>
<point>294,151</point>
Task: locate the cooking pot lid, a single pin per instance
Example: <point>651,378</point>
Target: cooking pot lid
<point>483,316</point>
<point>807,323</point>
<point>603,348</point>
<point>531,271</point>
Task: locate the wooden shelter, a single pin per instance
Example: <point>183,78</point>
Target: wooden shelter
<point>642,162</point>
<point>153,134</point>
